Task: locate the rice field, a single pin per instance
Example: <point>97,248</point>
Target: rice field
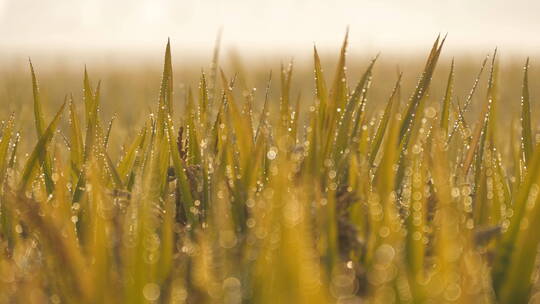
<point>302,184</point>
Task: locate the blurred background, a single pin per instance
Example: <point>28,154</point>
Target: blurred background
<point>281,25</point>
<point>122,43</point>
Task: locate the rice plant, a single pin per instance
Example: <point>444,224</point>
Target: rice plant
<point>316,199</point>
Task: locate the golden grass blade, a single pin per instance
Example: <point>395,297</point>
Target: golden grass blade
<point>360,93</point>
<point>136,147</point>
<point>354,111</point>
<point>180,172</point>
<point>193,150</point>
<point>111,168</point>
<point>295,121</point>
<point>526,134</point>
<point>389,111</point>
<point>5,140</point>
<point>339,91</point>
<point>284,105</point>
<point>40,127</point>
<point>77,145</point>
<point>488,121</point>
<point>421,89</point>
<point>445,112</point>
<point>320,88</point>
<point>91,102</point>
<point>32,163</point>
<point>476,149</point>
<point>203,102</point>
<point>108,133</point>
<point>166,91</point>
<point>263,121</point>
<point>460,117</point>
<point>213,83</point>
<point>38,112</point>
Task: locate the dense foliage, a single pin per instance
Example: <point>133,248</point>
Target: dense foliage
<point>412,204</point>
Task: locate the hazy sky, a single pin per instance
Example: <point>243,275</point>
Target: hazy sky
<point>473,25</point>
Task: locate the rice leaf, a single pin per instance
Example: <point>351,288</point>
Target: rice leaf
<point>526,134</point>
<point>445,112</point>
<point>421,89</point>
<point>389,111</point>
<point>5,140</point>
<point>33,162</point>
<point>320,88</point>
<point>77,145</point>
<point>108,133</point>
<point>38,112</point>
<point>353,112</point>
<point>40,127</point>
<point>460,118</point>
<point>180,172</point>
